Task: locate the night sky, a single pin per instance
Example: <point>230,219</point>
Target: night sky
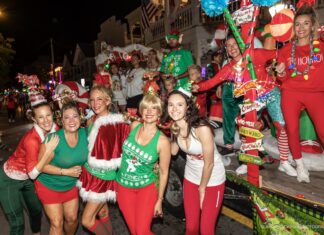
<point>33,22</point>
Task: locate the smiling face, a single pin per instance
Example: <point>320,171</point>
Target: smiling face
<point>232,48</point>
<point>71,120</point>
<point>177,107</point>
<point>150,113</point>
<point>303,26</point>
<point>99,102</point>
<point>43,117</point>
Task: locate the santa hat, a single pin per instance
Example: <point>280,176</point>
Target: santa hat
<point>74,91</point>
<point>32,82</point>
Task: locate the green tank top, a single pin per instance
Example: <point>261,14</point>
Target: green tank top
<point>137,164</point>
<point>66,157</point>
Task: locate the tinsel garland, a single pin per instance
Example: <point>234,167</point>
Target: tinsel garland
<point>302,215</point>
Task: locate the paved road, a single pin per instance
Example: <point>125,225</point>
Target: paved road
<point>169,225</point>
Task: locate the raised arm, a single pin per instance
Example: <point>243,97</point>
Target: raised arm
<point>220,77</point>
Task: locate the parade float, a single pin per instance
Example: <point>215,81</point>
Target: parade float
<point>277,203</point>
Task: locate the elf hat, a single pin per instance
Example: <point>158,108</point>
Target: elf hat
<point>174,34</point>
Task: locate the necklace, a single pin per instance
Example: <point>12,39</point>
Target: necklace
<point>312,58</point>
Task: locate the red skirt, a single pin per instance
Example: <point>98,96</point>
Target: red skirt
<point>49,196</point>
<point>95,189</point>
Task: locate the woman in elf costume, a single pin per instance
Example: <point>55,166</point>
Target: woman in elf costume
<point>139,197</point>
<point>300,68</point>
<point>107,131</point>
<point>17,173</point>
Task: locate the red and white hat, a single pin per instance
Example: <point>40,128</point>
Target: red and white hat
<point>32,82</point>
<point>74,91</point>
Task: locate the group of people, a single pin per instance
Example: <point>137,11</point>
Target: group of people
<point>112,159</point>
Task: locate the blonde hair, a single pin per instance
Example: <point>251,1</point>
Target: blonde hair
<point>104,90</point>
<point>194,67</point>
<point>150,101</point>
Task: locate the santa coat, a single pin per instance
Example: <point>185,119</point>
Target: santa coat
<point>105,148</point>
<point>21,164</point>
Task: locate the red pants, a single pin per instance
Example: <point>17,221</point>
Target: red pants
<point>207,217</point>
<point>291,104</point>
<point>137,206</point>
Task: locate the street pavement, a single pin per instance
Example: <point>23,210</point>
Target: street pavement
<point>169,225</point>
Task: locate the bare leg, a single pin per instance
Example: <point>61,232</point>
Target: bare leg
<point>55,215</point>
<point>70,210</point>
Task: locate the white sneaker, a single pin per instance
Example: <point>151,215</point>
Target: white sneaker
<point>241,170</point>
<point>285,167</point>
<point>302,174</point>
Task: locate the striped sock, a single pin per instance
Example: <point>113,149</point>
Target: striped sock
<point>283,146</point>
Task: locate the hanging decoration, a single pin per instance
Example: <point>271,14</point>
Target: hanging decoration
<point>214,8</point>
<point>243,15</point>
<point>281,26</point>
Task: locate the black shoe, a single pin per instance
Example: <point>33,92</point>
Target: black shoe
<point>226,151</point>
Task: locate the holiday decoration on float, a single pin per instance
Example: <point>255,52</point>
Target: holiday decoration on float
<point>32,83</point>
<point>253,133</point>
<point>281,26</point>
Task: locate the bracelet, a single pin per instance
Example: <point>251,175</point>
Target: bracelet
<point>61,171</point>
<point>161,198</point>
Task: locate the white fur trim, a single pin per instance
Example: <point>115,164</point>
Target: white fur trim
<point>108,196</point>
<point>33,174</point>
<point>101,121</point>
<point>112,164</point>
<point>41,133</point>
<point>13,174</point>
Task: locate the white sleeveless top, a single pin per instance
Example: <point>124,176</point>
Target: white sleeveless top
<point>195,163</point>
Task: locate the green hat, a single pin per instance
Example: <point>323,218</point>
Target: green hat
<point>174,34</point>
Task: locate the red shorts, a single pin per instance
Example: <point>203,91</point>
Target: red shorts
<point>49,196</point>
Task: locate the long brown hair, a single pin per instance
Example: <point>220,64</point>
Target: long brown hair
<point>191,117</point>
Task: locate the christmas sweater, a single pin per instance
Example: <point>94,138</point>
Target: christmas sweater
<point>315,82</point>
<point>137,167</point>
<point>176,62</point>
<point>21,164</point>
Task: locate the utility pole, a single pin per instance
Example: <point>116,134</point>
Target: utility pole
<point>52,56</point>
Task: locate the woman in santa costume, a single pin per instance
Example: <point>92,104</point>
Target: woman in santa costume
<point>107,131</point>
<point>300,68</point>
<point>22,167</point>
